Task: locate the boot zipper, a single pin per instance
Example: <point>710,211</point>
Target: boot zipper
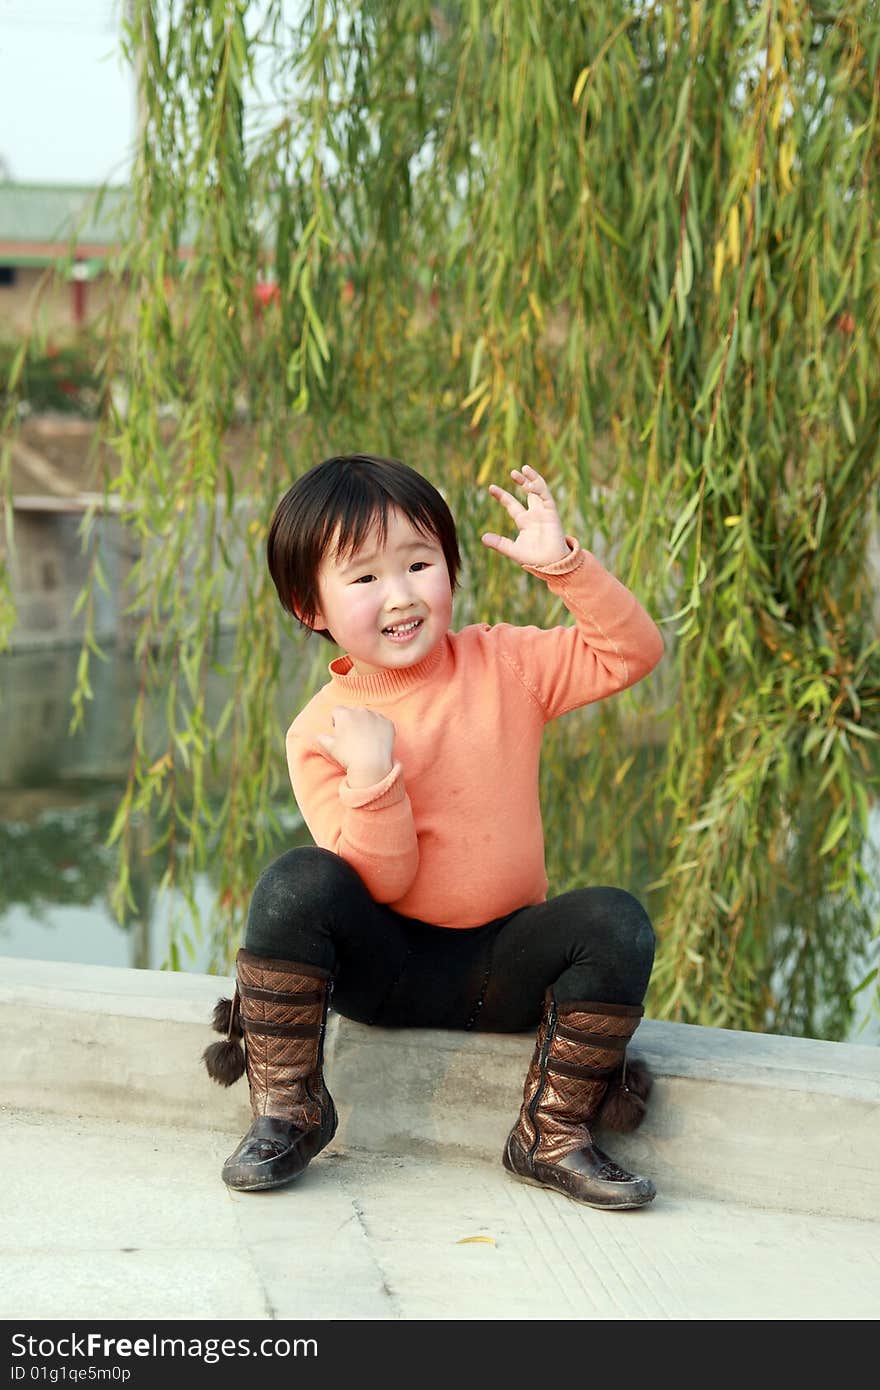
<point>320,1058</point>
<point>327,997</point>
<point>542,1067</point>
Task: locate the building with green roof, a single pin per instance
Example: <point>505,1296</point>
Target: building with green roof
<point>72,229</point>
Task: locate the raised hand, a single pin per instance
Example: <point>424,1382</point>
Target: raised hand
<point>541,539</point>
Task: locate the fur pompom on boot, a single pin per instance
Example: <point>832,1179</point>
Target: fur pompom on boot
<point>626,1099</point>
<point>225,1018</point>
<point>225,1061</point>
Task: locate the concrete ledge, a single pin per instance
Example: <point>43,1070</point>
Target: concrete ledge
<point>774,1122</point>
<point>110,1042</point>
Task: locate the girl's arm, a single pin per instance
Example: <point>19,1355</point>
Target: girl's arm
<point>615,642</point>
<point>370,827</point>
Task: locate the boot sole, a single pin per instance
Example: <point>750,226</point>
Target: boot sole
<point>581,1201</point>
<point>261,1184</point>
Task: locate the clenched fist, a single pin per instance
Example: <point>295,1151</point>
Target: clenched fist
<point>363,742</point>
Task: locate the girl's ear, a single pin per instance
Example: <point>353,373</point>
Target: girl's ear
<point>317,621</point>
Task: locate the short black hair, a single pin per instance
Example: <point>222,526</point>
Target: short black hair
<point>349,495</point>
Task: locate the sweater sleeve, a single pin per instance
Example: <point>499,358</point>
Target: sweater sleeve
<point>614,643</point>
<point>371,828</point>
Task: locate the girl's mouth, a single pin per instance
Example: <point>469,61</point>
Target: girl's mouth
<point>402,632</point>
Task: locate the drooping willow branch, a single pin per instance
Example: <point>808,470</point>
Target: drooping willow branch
<point>635,244</point>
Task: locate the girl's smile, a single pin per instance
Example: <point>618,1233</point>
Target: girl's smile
<point>403,632</point>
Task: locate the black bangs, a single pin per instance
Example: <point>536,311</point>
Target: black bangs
<point>360,507</point>
<point>364,513</point>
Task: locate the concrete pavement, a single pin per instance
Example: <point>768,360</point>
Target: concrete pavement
<point>764,1151</point>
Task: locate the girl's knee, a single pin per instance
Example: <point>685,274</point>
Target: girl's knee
<point>295,903</point>
<point>631,911</point>
<point>303,880</point>
<point>632,924</point>
<point>613,923</point>
<point>614,954</point>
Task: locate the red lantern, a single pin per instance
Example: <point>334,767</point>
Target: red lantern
<point>266,292</point>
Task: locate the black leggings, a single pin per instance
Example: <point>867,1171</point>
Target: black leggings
<point>312,907</point>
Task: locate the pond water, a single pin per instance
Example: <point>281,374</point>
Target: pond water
<point>58,797</point>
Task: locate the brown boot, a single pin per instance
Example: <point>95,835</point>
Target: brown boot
<point>580,1047</point>
<point>282,1008</point>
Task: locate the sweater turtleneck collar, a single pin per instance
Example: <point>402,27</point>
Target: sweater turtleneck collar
<point>385,685</point>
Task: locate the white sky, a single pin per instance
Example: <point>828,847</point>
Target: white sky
<point>67,98</point>
<point>67,106</point>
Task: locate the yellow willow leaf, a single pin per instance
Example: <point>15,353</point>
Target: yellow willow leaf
<point>732,520</point>
<point>777,108</point>
<point>481,409</point>
<point>777,48</point>
<point>486,470</point>
<point>623,770</point>
<point>579,85</point>
<point>456,345</point>
<point>536,308</point>
<point>479,390</point>
<point>733,243</point>
<point>476,1240</point>
<point>786,159</point>
<point>718,267</point>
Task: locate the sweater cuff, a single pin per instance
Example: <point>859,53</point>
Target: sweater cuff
<point>377,796</point>
<point>567,565</point>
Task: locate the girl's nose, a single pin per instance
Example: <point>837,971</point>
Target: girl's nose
<point>399,591</point>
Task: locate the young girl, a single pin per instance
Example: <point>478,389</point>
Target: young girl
<point>424,901</point>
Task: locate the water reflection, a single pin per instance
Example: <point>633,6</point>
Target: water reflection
<point>58,796</point>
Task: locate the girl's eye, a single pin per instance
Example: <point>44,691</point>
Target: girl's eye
<point>364,579</point>
<point>419,565</point>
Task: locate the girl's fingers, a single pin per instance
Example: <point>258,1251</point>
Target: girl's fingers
<point>532,481</point>
<point>538,495</point>
<point>507,500</point>
<point>499,543</point>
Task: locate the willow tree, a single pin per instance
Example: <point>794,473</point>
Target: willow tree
<point>633,243</point>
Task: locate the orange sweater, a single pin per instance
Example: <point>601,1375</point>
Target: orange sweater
<point>453,834</point>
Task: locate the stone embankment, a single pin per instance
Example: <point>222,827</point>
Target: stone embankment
<point>764,1151</point>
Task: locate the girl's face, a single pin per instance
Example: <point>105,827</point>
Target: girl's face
<point>387,605</point>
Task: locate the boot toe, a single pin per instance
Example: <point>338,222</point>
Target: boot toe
<point>268,1156</point>
<point>588,1175</point>
<point>275,1152</point>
